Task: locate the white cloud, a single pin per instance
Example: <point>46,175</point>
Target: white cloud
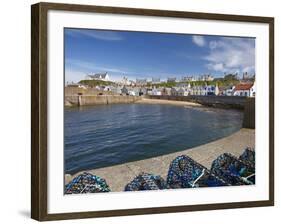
<point>215,67</point>
<point>93,67</point>
<point>231,55</point>
<point>248,69</point>
<point>215,44</point>
<point>77,70</point>
<point>97,34</point>
<point>198,40</point>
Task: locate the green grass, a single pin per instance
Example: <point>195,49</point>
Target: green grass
<point>96,82</point>
<point>228,80</point>
<point>220,82</point>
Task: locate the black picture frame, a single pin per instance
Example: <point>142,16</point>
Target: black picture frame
<point>39,107</point>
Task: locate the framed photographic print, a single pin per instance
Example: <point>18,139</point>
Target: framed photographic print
<point>138,111</point>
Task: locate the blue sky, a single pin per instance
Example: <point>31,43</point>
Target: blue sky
<point>147,55</point>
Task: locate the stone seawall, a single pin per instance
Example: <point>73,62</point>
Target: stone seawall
<point>72,91</point>
<point>84,100</point>
<point>249,113</point>
<point>229,102</point>
<point>234,102</point>
<point>119,175</point>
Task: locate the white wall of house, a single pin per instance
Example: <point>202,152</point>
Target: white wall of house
<point>241,93</point>
<point>156,92</point>
<point>253,90</point>
<point>183,92</point>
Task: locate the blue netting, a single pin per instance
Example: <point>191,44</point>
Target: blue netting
<point>248,156</point>
<point>184,172</point>
<point>86,183</point>
<point>145,181</point>
<point>233,170</point>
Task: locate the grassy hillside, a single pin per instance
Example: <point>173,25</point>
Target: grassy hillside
<point>220,83</point>
<point>96,82</point>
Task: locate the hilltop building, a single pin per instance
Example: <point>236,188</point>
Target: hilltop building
<point>125,81</point>
<point>99,76</point>
<point>206,78</point>
<point>171,79</point>
<point>188,79</point>
<point>245,76</point>
<point>141,82</point>
<point>124,91</point>
<point>155,81</point>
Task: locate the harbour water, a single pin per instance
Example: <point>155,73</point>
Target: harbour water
<point>106,135</point>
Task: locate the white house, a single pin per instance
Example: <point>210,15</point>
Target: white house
<point>210,90</point>
<point>99,76</point>
<point>183,92</point>
<point>228,91</point>
<point>141,82</point>
<point>143,91</point>
<point>253,90</point>
<point>116,90</point>
<point>156,92</point>
<point>174,91</point>
<point>166,91</point>
<point>107,88</point>
<point>217,91</point>
<point>198,90</point>
<point>134,91</point>
<point>125,91</point>
<point>125,81</point>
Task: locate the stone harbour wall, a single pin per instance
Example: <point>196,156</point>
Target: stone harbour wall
<point>234,102</point>
<point>249,113</point>
<point>84,100</point>
<point>71,91</point>
<point>228,102</point>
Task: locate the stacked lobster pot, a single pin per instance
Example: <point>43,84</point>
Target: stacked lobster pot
<point>86,183</point>
<point>184,172</point>
<point>236,171</point>
<point>248,156</point>
<point>145,181</point>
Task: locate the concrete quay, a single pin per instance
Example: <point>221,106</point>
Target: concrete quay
<point>88,100</point>
<point>119,175</point>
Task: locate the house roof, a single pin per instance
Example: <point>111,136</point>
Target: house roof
<point>171,78</point>
<point>99,75</point>
<point>244,86</point>
<point>141,80</point>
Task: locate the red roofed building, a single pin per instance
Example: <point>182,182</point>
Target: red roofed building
<point>245,89</point>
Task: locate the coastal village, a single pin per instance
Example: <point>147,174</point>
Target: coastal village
<point>175,112</point>
<point>201,85</point>
<point>230,160</point>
